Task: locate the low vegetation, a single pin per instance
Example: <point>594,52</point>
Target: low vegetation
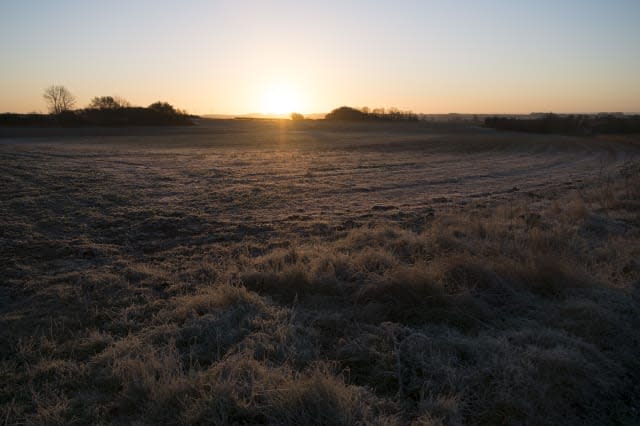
<point>180,284</point>
<point>110,117</point>
<point>107,111</point>
<point>351,114</point>
<point>569,124</point>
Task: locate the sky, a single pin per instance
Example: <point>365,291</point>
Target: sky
<point>243,56</point>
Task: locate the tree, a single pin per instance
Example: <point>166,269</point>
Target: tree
<point>162,107</point>
<point>59,99</point>
<point>109,102</point>
<point>346,114</point>
<point>296,116</point>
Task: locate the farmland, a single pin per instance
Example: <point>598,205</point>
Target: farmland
<point>281,272</point>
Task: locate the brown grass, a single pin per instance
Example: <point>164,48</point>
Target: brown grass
<point>171,284</point>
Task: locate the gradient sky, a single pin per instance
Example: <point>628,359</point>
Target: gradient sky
<point>502,56</point>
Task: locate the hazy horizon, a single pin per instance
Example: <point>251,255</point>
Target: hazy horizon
<point>509,57</point>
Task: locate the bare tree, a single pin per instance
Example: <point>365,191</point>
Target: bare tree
<point>58,99</point>
<point>109,102</point>
<point>122,102</point>
<point>163,107</point>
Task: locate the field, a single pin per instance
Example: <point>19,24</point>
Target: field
<point>248,272</point>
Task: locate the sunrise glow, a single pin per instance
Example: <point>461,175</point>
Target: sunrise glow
<point>280,99</point>
<point>219,57</point>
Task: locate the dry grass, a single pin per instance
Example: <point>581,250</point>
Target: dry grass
<point>345,280</point>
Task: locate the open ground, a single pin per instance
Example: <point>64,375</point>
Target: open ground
<point>279,272</point>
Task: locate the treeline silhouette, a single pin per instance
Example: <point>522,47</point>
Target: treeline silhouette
<point>346,113</point>
<point>107,111</point>
<point>121,117</point>
<point>569,124</point>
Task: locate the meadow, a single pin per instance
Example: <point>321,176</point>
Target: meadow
<point>276,272</point>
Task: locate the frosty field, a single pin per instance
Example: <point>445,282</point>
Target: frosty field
<point>249,272</point>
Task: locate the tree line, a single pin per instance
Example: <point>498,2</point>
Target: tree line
<point>346,113</point>
<point>568,124</point>
<point>101,111</point>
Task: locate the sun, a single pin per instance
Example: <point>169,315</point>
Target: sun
<point>280,99</point>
